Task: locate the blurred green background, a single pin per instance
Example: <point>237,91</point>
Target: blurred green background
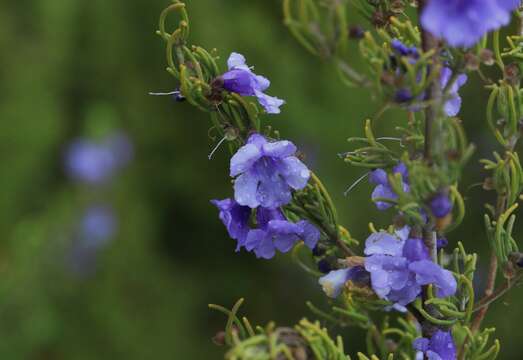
<point>73,68</point>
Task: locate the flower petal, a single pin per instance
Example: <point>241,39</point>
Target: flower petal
<point>279,149</point>
<point>254,238</point>
<point>383,243</point>
<point>334,281</point>
<point>428,272</point>
<point>245,190</point>
<point>244,158</point>
<point>295,173</point>
<point>271,104</point>
<point>309,234</point>
<point>236,60</point>
<point>265,249</point>
<point>273,192</point>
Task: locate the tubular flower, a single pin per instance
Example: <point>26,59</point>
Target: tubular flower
<point>275,232</point>
<point>241,80</point>
<point>268,171</point>
<point>464,22</point>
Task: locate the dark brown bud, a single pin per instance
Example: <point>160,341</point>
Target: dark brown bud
<point>472,62</point>
<point>488,184</point>
<point>487,57</point>
<point>453,155</point>
<point>356,32</point>
<point>512,73</point>
<point>380,19</point>
<point>397,6</point>
<point>388,78</point>
<point>219,338</point>
<point>399,221</point>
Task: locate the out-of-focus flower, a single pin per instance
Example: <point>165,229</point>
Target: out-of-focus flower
<point>383,190</point>
<point>97,227</point>
<point>440,346</point>
<point>95,162</point>
<point>267,173</point>
<point>241,80</point>
<point>275,232</point>
<point>463,23</point>
<point>235,217</point>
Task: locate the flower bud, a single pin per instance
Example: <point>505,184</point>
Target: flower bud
<point>487,57</point>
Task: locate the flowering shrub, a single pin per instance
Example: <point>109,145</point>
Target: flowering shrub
<point>418,54</point>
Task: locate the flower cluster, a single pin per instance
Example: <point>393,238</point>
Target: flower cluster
<point>398,266</point>
<point>241,80</point>
<point>463,23</point>
<point>266,174</point>
<point>95,164</point>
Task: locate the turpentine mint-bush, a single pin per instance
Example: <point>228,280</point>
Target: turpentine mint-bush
<point>418,55</point>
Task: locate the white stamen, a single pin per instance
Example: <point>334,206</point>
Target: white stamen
<point>354,184</point>
<point>164,93</point>
<point>216,147</point>
<point>389,138</point>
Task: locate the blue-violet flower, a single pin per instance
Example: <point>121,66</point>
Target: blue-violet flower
<point>241,80</point>
<point>267,173</point>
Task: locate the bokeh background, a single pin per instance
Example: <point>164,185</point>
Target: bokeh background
<point>79,69</point>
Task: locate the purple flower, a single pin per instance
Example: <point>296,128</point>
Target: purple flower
<point>453,105</point>
<point>235,218</point>
<point>333,282</point>
<point>399,268</point>
<point>95,162</point>
<point>267,173</point>
<point>440,346</point>
<point>275,232</point>
<point>241,80</point>
<point>383,190</point>
<point>440,205</point>
<point>464,22</point>
<point>95,229</point>
<point>98,225</point>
